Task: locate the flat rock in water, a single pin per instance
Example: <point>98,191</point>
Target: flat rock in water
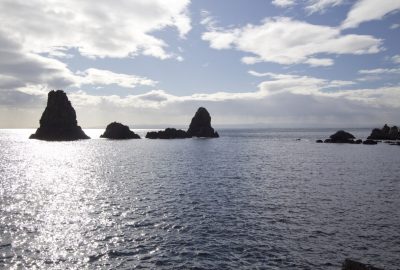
<point>58,121</point>
<point>118,131</point>
<point>168,133</point>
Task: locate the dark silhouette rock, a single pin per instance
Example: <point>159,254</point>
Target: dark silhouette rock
<point>393,133</point>
<point>385,133</point>
<point>370,142</point>
<point>319,141</point>
<point>359,141</point>
<point>341,136</point>
<point>354,265</point>
<point>377,134</point>
<point>168,133</point>
<point>200,126</point>
<point>118,131</point>
<point>58,121</point>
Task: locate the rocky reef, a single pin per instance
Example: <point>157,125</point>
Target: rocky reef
<point>58,121</point>
<point>200,126</point>
<point>354,265</point>
<point>118,131</point>
<point>385,133</point>
<point>168,133</point>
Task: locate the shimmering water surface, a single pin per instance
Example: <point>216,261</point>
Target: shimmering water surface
<point>250,199</point>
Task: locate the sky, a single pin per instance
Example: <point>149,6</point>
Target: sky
<point>258,63</point>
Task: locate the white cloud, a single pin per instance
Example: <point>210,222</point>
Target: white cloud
<point>297,84</point>
<point>380,71</point>
<point>376,97</point>
<point>19,68</point>
<point>281,100</point>
<point>283,3</point>
<point>207,19</point>
<point>368,10</point>
<point>286,41</point>
<point>35,74</point>
<point>395,26</point>
<point>101,29</point>
<point>105,77</point>
<point>323,62</point>
<point>321,5</point>
<point>396,59</point>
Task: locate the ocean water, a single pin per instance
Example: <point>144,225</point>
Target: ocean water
<point>252,199</point>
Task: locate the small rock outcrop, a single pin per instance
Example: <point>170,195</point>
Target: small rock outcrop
<point>385,133</point>
<point>341,136</point>
<point>58,121</point>
<point>168,133</point>
<point>200,126</point>
<point>319,141</point>
<point>354,265</point>
<point>370,142</point>
<point>118,131</point>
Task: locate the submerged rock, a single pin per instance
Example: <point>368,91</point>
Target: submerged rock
<point>341,136</point>
<point>385,133</point>
<point>168,133</point>
<point>58,121</point>
<point>118,131</point>
<point>354,265</point>
<point>200,126</point>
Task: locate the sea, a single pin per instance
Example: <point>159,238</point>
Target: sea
<point>251,199</point>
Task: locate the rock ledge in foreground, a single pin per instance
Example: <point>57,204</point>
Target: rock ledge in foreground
<point>354,265</point>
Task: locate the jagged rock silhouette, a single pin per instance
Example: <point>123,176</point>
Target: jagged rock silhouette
<point>58,121</point>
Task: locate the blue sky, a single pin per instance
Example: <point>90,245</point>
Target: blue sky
<point>279,63</point>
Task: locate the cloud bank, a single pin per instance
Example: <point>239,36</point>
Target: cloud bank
<point>287,41</point>
<point>93,28</point>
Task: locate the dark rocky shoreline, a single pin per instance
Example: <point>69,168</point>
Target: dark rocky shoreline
<point>390,134</point>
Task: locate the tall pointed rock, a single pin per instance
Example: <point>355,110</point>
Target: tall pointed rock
<point>58,121</point>
<point>201,125</point>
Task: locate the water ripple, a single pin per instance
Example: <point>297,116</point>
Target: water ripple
<point>251,199</point>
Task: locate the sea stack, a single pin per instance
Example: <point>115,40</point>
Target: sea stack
<point>58,121</point>
<point>201,125</point>
<point>118,131</point>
